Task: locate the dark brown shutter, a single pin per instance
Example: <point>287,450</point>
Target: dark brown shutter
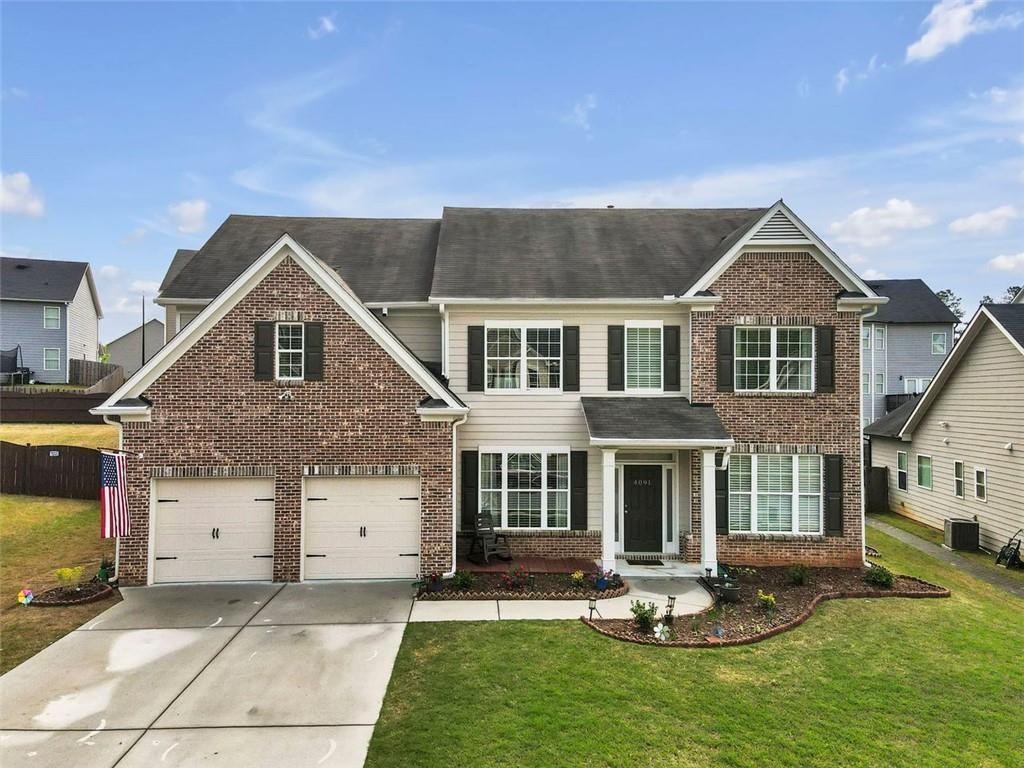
<point>578,490</point>
<point>721,500</point>
<point>670,344</point>
<point>313,351</point>
<point>825,359</point>
<point>571,358</point>
<point>475,372</point>
<point>833,495</point>
<point>263,351</point>
<point>724,355</point>
<point>616,358</point>
<point>470,486</point>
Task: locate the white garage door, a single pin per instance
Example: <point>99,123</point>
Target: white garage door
<point>217,529</point>
<point>362,527</point>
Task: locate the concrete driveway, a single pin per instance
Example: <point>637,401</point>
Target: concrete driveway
<point>227,674</point>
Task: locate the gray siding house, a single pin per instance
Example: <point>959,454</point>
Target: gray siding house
<point>52,311</point>
<point>127,351</point>
<point>903,344</point>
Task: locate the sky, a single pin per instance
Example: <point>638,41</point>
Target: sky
<point>894,130</point>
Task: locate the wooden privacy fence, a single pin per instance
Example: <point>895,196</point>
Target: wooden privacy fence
<point>67,471</point>
<point>87,372</point>
<point>49,407</point>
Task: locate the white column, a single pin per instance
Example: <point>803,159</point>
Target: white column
<point>708,523</point>
<point>608,509</point>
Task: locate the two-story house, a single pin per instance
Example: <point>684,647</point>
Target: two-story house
<point>903,344</point>
<point>52,311</point>
<point>352,393</point>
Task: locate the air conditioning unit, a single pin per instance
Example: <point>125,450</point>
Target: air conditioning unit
<point>961,533</point>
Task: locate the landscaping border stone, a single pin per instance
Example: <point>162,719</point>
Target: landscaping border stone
<point>470,594</point>
<point>41,600</point>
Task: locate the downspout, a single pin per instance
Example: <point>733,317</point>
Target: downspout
<point>455,519</point>
<point>860,430</point>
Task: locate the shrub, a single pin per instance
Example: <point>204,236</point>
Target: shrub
<point>69,577</point>
<point>578,579</point>
<point>643,615</point>
<point>516,578</point>
<point>798,574</point>
<point>463,580</point>
<point>879,576</point>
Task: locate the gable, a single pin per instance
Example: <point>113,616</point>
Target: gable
<point>779,227</point>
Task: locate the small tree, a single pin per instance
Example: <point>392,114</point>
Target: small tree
<point>952,301</point>
<point>1011,292</point>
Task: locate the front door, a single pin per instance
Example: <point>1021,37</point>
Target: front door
<point>642,508</point>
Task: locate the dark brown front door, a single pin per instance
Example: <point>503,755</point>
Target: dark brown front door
<point>642,508</point>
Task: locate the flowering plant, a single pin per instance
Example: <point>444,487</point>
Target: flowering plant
<point>516,578</point>
<point>577,578</point>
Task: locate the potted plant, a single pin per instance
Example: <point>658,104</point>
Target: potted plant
<point>433,582</point>
<point>728,592</point>
<point>106,570</point>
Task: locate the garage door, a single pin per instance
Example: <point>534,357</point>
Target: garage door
<point>362,527</point>
<point>218,529</point>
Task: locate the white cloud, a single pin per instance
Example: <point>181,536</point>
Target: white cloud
<point>189,216</point>
<point>325,26</point>
<point>18,196</point>
<point>842,80</point>
<point>1008,263</point>
<point>874,226</point>
<point>137,234</point>
<point>109,271</point>
<point>951,21</point>
<point>852,72</point>
<point>803,88</point>
<point>580,113</point>
<point>873,274</point>
<point>145,286</point>
<point>985,222</point>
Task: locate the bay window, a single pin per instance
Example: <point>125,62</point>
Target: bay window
<point>523,357</point>
<point>774,359</point>
<point>525,489</point>
<point>771,493</point>
<point>643,356</point>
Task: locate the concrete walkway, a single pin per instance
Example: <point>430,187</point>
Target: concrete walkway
<point>949,557</point>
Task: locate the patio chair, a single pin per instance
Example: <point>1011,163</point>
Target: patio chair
<point>487,541</point>
<point>11,367</point>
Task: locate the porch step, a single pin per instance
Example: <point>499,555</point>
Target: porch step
<point>649,556</point>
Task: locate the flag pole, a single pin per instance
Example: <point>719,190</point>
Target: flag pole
<point>143,361</point>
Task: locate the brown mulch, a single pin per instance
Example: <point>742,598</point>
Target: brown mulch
<point>88,592</point>
<point>547,586</point>
<point>746,622</point>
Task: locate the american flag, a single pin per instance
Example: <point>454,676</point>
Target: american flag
<point>114,520</point>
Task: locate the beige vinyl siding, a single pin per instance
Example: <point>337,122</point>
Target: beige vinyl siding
<point>170,322</point>
<point>553,420</point>
<point>419,330</point>
<point>83,325</point>
<point>982,405</point>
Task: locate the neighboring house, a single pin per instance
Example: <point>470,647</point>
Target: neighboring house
<point>903,344</point>
<point>52,310</point>
<point>127,351</point>
<point>675,384</point>
<point>958,450</point>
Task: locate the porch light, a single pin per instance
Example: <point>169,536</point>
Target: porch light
<point>593,607</point>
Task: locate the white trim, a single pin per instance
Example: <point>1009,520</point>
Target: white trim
<point>301,351</point>
<point>667,489</point>
<point>945,342</point>
<point>906,472</point>
<point>659,443</point>
<point>504,490</point>
<point>773,359</point>
<point>518,301</point>
<point>636,324</point>
<point>177,319</point>
<point>795,494</point>
<point>522,326</point>
<point>984,484</point>
<point>57,326</point>
<point>962,478</point>
<point>51,349</point>
<point>164,301</point>
<point>917,470</point>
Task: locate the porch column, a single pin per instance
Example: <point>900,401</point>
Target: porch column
<point>608,509</point>
<point>708,522</point>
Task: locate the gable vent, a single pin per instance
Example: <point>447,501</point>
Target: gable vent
<point>779,227</point>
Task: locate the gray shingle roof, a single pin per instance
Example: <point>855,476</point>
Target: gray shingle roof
<point>581,253</point>
<point>1011,317</point>
<point>651,418</point>
<point>891,424</point>
<point>182,256</point>
<point>910,301</point>
<point>41,279</point>
<point>383,260</point>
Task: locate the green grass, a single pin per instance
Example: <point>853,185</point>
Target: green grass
<point>889,682</point>
<point>935,536</point>
<point>85,435</point>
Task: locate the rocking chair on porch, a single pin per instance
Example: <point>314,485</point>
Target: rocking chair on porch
<point>487,541</point>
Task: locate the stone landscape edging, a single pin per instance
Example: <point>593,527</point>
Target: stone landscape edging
<point>41,602</point>
<point>498,594</point>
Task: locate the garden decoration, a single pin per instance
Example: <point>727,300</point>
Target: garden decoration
<point>25,596</point>
<point>662,632</point>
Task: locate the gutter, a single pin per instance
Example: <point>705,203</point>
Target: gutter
<point>860,430</point>
<point>455,456</point>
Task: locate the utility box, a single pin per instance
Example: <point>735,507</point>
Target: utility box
<point>961,533</point>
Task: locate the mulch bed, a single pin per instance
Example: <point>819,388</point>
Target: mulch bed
<point>547,586</point>
<point>88,592</point>
<point>746,622</point>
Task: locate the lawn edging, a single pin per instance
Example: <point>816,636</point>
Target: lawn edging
<point>497,594</point>
<point>42,601</point>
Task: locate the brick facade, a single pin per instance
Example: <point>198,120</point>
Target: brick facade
<point>584,544</point>
<point>208,411</point>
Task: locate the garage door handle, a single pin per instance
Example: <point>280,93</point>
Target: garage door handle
<point>166,558</point>
<point>316,555</point>
<point>262,555</point>
<point>166,501</point>
<point>270,499</point>
<point>409,554</point>
<point>316,498</point>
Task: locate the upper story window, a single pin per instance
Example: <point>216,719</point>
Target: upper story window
<point>184,318</point>
<point>939,343</point>
<point>775,494</point>
<point>879,337</point>
<point>289,351</point>
<point>916,384</point>
<point>865,337</point>
<point>523,357</point>
<point>774,359</point>
<point>51,318</point>
<point>644,356</point>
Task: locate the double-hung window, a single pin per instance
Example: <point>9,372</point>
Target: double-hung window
<point>289,352</point>
<point>51,318</point>
<point>924,471</point>
<point>879,337</point>
<point>865,383</point>
<point>980,484</point>
<point>958,479</point>
<point>775,494</point>
<point>521,357</point>
<point>865,337</point>
<point>939,343</point>
<point>644,356</point>
<point>879,383</point>
<point>51,359</point>
<point>901,470</point>
<point>525,489</point>
<point>774,359</point>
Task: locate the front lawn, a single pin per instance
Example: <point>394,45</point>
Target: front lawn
<point>37,536</point>
<point>891,681</point>
<point>85,435</point>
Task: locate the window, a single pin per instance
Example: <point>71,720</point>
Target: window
<point>184,318</point>
<point>289,351</point>
<point>507,356</point>
<point>916,385</point>
<point>924,471</point>
<point>774,359</point>
<point>980,484</point>
<point>879,337</point>
<point>51,318</point>
<point>901,470</point>
<point>51,359</point>
<point>865,337</point>
<point>958,479</point>
<point>939,343</point>
<point>525,489</point>
<point>643,356</point>
<point>775,494</point>
<point>879,383</point>
<point>865,383</point>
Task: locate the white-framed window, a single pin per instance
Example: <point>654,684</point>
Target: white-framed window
<point>186,317</point>
<point>288,352</point>
<point>51,318</point>
<point>644,356</point>
<point>958,479</point>
<point>901,470</point>
<point>521,357</point>
<point>981,484</point>
<point>771,493</point>
<point>865,337</point>
<point>51,359</point>
<point>774,359</point>
<point>879,383</point>
<point>924,471</point>
<point>916,384</point>
<point>525,488</point>
<point>879,337</point>
<point>865,383</point>
<point>939,343</point>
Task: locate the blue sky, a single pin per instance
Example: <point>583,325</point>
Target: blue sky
<point>895,130</point>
